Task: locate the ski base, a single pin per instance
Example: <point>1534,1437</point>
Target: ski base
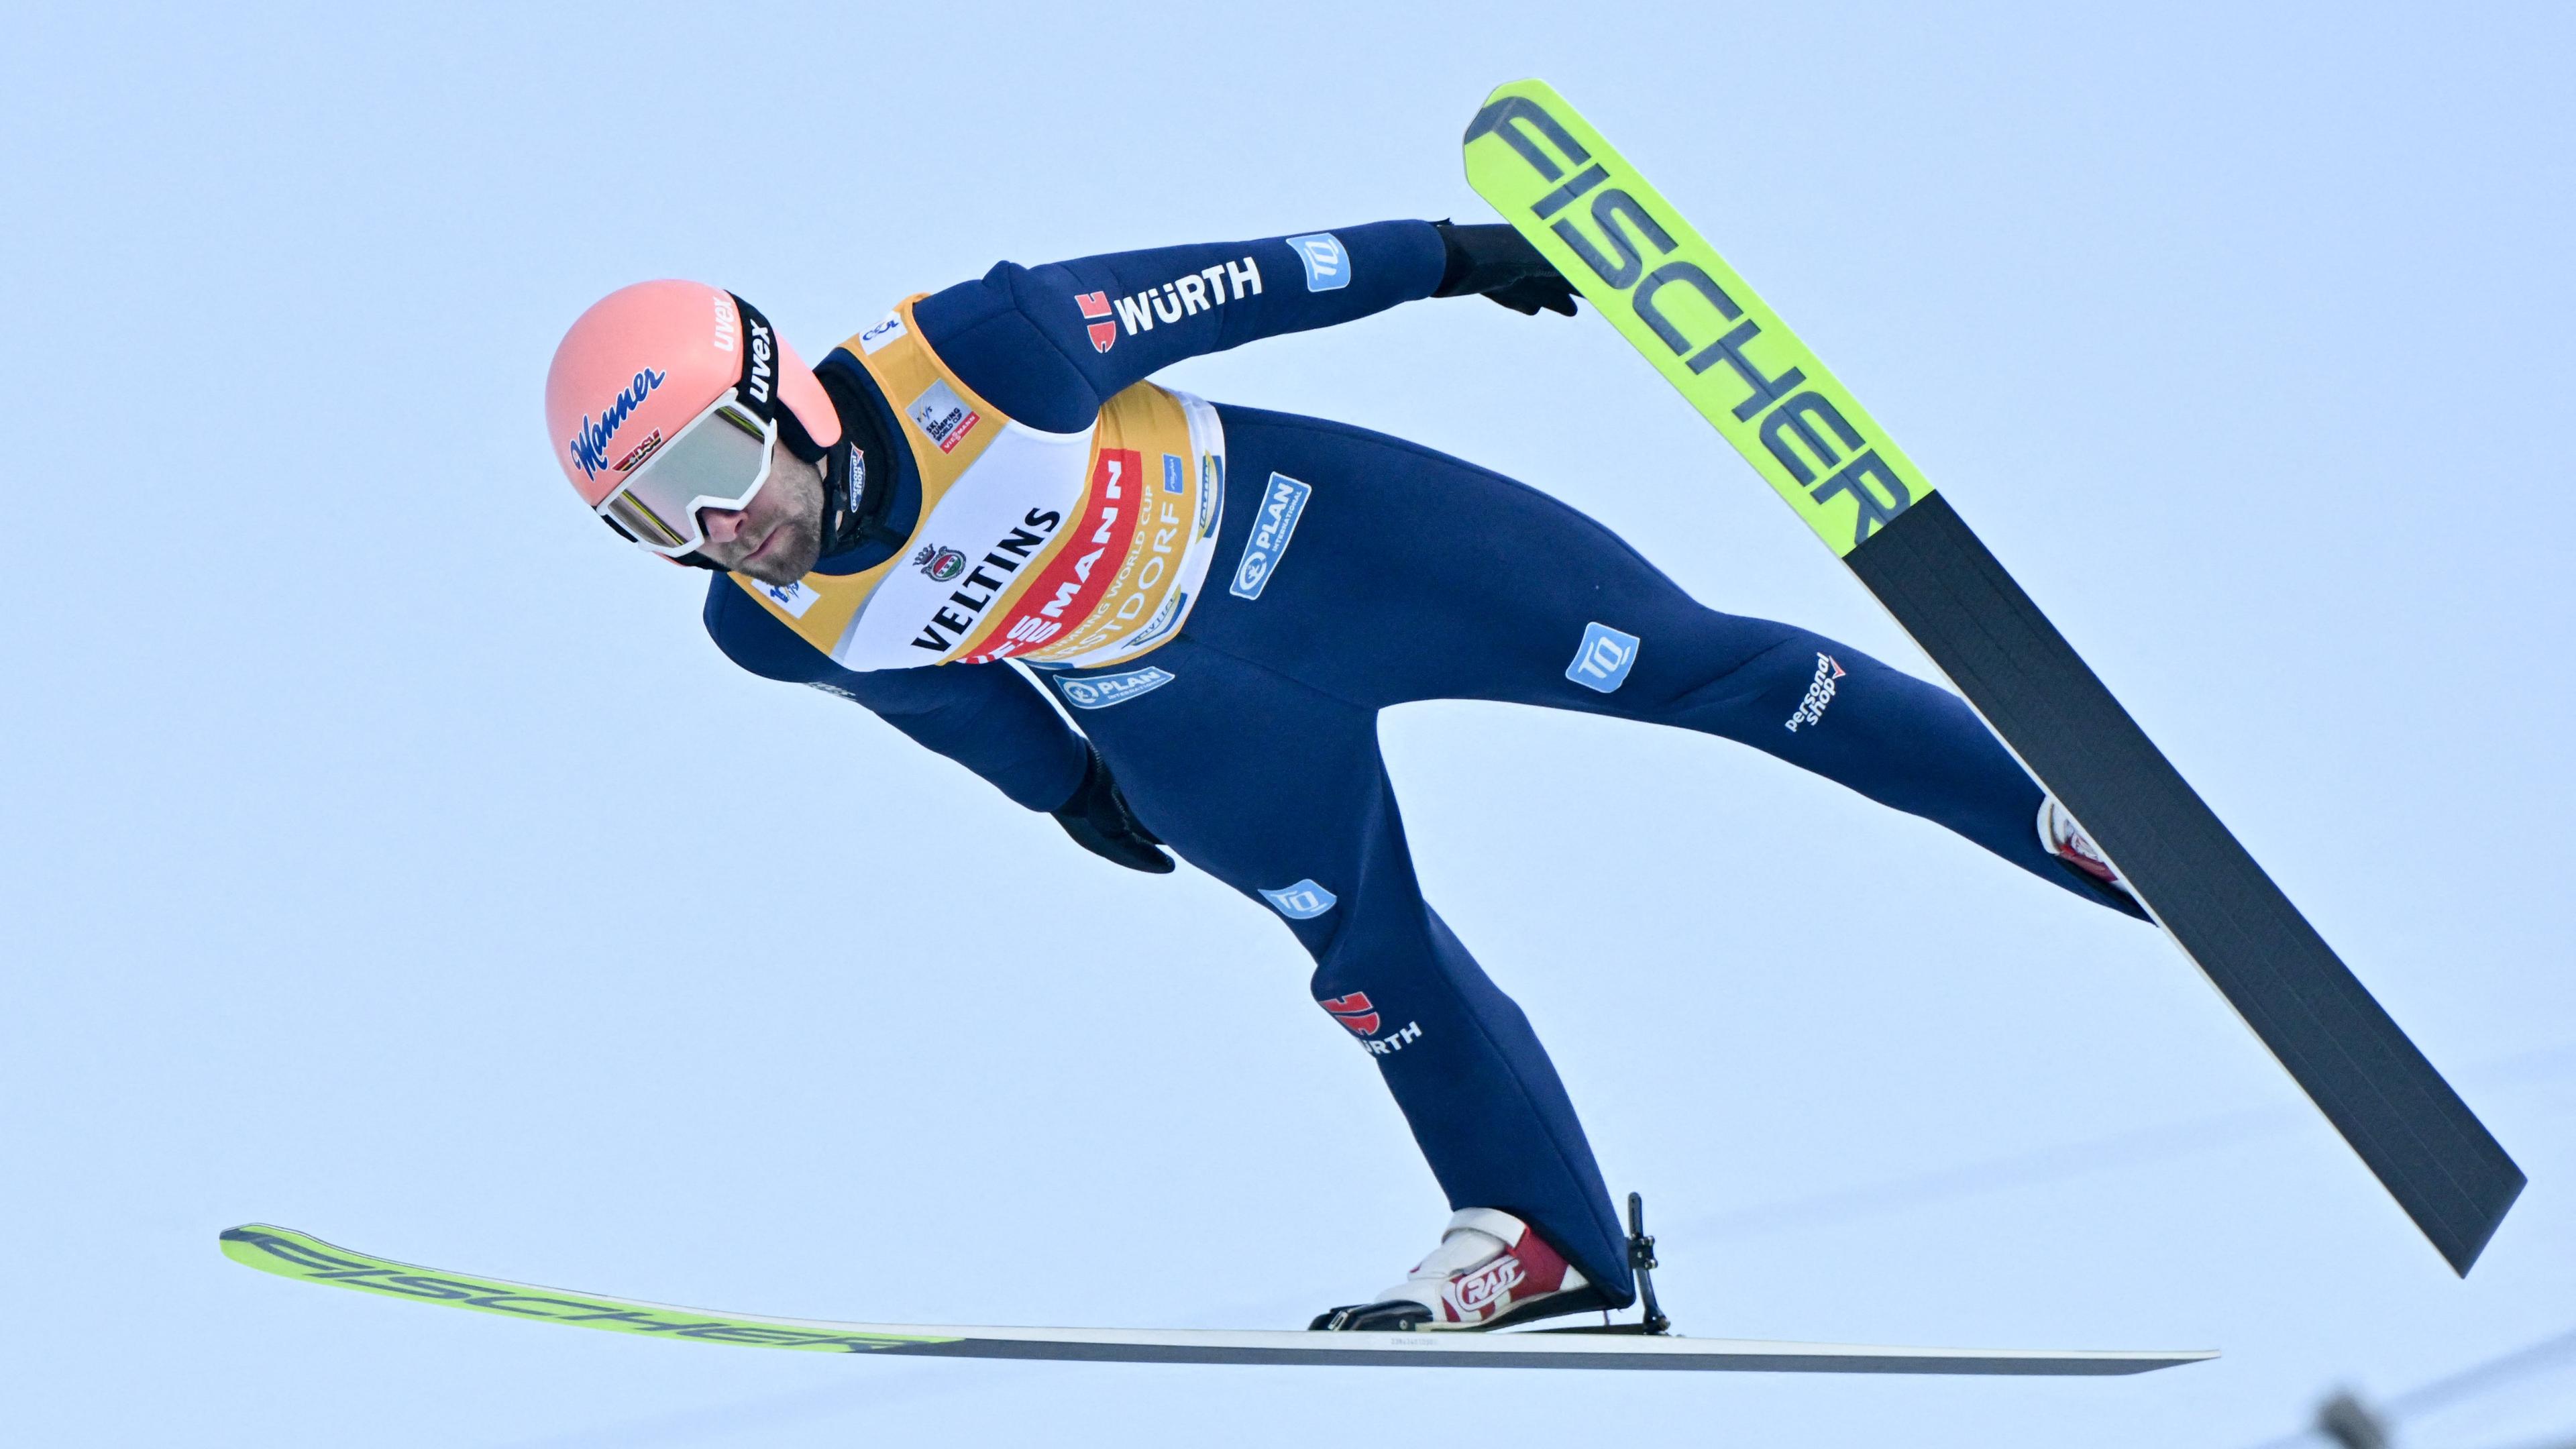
<point>290,1254</point>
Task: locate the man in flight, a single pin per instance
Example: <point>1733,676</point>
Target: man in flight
<point>1225,598</point>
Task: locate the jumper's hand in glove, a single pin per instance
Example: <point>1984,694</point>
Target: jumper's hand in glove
<point>1099,821</point>
<point>1498,263</point>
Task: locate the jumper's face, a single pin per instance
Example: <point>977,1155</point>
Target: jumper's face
<point>777,536</point>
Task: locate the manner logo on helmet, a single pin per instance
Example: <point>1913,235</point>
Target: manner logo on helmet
<point>942,564</point>
<point>1353,1011</point>
<point>943,416</point>
<point>1095,311</point>
<point>589,441</point>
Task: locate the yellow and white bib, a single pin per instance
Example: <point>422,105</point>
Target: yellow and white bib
<point>1074,548</point>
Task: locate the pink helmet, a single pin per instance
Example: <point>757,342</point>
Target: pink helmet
<point>678,375</point>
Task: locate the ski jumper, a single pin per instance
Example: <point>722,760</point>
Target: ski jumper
<point>1258,587</point>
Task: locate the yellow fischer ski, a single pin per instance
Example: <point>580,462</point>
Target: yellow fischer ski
<point>1660,282</point>
<point>1663,286</point>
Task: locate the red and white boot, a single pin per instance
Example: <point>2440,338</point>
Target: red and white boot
<point>1490,1269</point>
<point>2059,834</point>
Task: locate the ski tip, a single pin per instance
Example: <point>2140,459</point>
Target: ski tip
<point>1503,101</point>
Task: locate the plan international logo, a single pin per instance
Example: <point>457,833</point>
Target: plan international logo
<point>1281,506</point>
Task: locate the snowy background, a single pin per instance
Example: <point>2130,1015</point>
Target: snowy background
<point>343,887</point>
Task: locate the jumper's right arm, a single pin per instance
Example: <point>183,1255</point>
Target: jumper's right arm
<point>983,716</point>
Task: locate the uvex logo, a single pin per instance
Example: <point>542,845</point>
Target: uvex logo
<point>1628,247</point>
<point>762,372</point>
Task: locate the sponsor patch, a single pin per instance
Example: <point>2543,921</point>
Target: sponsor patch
<point>1353,1011</point>
<point>795,598</point>
<point>1211,493</point>
<point>943,416</point>
<point>1603,659</point>
<point>1103,690</point>
<point>1303,901</point>
<point>1186,295</point>
<point>884,332</point>
<point>1176,474</point>
<point>1820,692</point>
<point>1164,618</point>
<point>1095,312</point>
<point>957,614</point>
<point>1083,573</point>
<point>1328,266</point>
<point>1281,506</point>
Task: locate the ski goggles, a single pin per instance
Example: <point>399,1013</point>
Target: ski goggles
<point>720,460</point>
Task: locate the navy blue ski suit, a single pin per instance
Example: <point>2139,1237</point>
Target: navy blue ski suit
<point>1248,742</point>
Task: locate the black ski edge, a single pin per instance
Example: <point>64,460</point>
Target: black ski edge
<point>2434,1156</point>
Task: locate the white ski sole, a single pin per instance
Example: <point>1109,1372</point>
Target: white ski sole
<point>290,1254</point>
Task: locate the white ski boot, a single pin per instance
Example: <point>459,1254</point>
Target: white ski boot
<point>1490,1269</point>
<point>2062,837</point>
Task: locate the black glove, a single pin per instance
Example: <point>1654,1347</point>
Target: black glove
<point>1498,263</point>
<point>1099,821</point>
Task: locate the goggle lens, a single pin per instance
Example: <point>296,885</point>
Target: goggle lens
<point>720,460</point>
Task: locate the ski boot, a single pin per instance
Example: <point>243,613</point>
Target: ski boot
<point>1490,1269</point>
<point>2063,838</point>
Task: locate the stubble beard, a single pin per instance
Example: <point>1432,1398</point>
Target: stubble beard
<point>800,547</point>
<point>798,543</point>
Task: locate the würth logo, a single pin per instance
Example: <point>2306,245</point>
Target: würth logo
<point>1353,1011</point>
<point>1095,310</point>
<point>1186,295</point>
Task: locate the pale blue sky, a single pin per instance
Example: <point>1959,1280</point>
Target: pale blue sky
<point>343,894</point>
